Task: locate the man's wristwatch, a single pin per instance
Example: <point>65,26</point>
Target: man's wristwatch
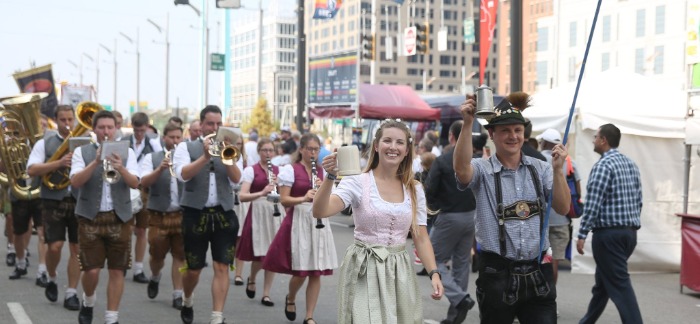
<point>331,176</point>
<point>431,273</point>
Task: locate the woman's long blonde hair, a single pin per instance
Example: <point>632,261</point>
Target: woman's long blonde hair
<point>405,171</point>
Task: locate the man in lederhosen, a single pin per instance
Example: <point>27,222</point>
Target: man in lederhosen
<point>165,224</point>
<point>208,216</point>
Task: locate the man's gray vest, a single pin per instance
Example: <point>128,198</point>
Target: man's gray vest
<point>147,147</point>
<point>51,143</point>
<point>90,195</point>
<point>197,189</point>
<point>159,191</point>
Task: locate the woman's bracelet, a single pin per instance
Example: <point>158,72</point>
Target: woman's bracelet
<point>432,272</point>
<point>331,176</point>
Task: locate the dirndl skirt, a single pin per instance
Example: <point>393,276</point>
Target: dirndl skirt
<point>378,286</point>
<point>259,230</point>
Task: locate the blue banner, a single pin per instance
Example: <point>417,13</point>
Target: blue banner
<point>326,9</point>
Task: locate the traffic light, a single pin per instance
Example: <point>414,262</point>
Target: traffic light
<point>422,41</point>
<point>368,47</point>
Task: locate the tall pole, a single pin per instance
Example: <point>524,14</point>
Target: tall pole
<point>167,61</point>
<point>97,82</point>
<point>301,65</point>
<point>227,66</point>
<point>258,86</point>
<point>205,54</point>
<point>115,75</point>
<point>373,31</point>
<point>81,70</point>
<point>138,73</point>
<point>516,45</point>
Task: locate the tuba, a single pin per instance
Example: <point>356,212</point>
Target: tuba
<point>58,180</point>
<point>223,144</point>
<point>20,130</point>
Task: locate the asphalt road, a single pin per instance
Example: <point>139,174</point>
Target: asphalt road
<point>22,302</point>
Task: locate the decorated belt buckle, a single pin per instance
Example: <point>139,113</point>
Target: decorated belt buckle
<point>522,210</point>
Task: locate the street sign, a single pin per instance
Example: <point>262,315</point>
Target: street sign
<point>442,39</point>
<point>409,41</point>
<point>217,62</point>
<point>228,4</point>
<point>107,107</point>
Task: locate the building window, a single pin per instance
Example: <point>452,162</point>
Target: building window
<point>385,70</point>
<point>542,39</point>
<point>659,60</point>
<point>641,23</point>
<point>660,19</point>
<point>572,34</point>
<point>542,72</point>
<point>445,60</point>
<point>639,61</point>
<point>607,24</point>
<point>445,74</point>
<point>412,72</point>
<point>605,62</point>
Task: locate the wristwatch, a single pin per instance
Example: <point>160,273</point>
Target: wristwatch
<point>331,176</point>
<point>432,272</point>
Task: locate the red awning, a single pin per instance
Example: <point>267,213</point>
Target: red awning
<point>379,101</point>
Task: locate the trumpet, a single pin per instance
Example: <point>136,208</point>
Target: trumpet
<point>273,196</point>
<point>109,174</point>
<point>314,186</point>
<point>222,143</point>
<point>169,155</point>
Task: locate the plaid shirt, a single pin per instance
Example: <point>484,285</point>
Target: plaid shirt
<point>614,197</point>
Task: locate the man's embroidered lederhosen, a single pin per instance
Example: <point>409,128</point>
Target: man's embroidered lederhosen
<point>520,272</point>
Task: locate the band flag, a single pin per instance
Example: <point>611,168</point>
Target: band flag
<point>39,79</point>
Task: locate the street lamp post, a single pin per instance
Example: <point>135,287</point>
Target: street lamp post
<point>79,68</point>
<point>97,64</point>
<point>167,56</point>
<point>114,55</point>
<point>138,67</point>
<point>204,73</point>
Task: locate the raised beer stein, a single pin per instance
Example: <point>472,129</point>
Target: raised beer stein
<point>484,102</point>
<point>348,160</point>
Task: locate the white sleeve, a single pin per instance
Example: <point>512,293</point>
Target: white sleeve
<point>286,176</point>
<point>349,189</point>
<point>422,207</point>
<point>132,165</point>
<point>180,159</point>
<point>248,175</point>
<point>37,155</point>
<point>155,144</point>
<point>77,162</point>
<point>146,165</point>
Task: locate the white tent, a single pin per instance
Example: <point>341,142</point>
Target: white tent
<point>651,117</point>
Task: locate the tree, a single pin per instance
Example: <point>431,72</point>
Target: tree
<point>260,119</point>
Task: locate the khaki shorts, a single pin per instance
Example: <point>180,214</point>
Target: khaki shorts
<point>105,237</point>
<point>559,238</point>
<point>165,235</point>
<point>142,216</point>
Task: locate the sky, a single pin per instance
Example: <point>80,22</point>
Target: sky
<point>56,32</point>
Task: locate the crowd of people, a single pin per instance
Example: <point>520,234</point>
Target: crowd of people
<point>270,208</point>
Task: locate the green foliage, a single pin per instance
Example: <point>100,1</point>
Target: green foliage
<point>261,119</point>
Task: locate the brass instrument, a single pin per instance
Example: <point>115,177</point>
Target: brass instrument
<point>223,144</point>
<point>314,186</point>
<point>273,196</point>
<point>21,129</point>
<point>109,174</point>
<point>169,155</point>
<point>59,180</point>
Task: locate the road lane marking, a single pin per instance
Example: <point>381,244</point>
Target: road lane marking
<point>18,313</point>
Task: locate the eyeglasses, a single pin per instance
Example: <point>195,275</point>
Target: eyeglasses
<point>313,149</point>
<point>267,150</point>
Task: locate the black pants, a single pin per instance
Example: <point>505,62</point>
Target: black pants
<point>498,276</point>
<point>611,249</point>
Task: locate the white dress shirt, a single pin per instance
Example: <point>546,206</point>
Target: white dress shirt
<point>181,159</point>
<point>78,164</point>
<point>38,154</point>
<point>146,167</point>
<point>155,145</point>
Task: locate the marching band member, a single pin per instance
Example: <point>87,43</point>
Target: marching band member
<point>104,215</point>
<point>208,215</point>
<point>300,248</point>
<point>258,182</point>
<point>241,209</point>
<point>165,224</point>
<point>58,207</point>
<point>142,144</point>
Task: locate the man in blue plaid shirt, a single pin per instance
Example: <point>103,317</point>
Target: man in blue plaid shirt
<point>612,211</point>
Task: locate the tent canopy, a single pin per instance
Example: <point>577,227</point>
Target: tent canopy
<point>379,101</point>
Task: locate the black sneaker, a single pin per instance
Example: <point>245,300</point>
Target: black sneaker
<point>463,308</point>
<point>422,272</point>
<point>177,303</point>
<point>140,278</point>
<point>152,289</point>
<point>187,314</point>
<point>51,291</point>
<point>85,315</point>
<point>72,303</point>
<point>11,259</point>
<point>42,281</point>
<point>18,273</point>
